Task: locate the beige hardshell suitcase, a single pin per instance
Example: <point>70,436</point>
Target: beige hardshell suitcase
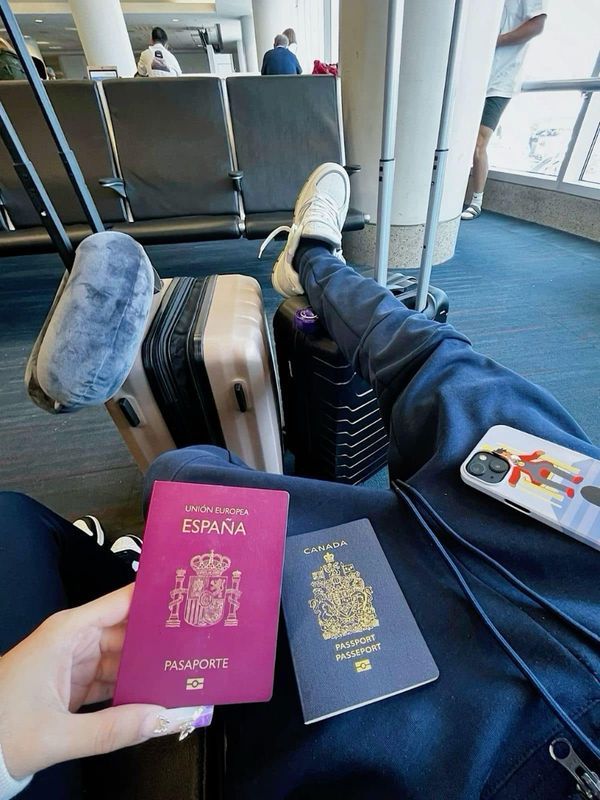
<point>204,375</point>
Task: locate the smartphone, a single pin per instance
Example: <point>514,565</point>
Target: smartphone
<point>551,483</point>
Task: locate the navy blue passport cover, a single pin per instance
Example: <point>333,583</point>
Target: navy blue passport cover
<point>352,635</point>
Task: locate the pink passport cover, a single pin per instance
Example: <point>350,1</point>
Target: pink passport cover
<point>202,628</point>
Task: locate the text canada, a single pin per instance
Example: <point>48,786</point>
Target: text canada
<point>322,548</point>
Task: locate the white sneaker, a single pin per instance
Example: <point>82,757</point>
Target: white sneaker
<point>319,213</point>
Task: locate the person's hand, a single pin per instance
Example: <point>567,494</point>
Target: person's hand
<point>69,661</point>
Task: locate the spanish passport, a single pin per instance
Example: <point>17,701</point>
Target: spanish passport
<point>352,635</point>
<point>202,627</point>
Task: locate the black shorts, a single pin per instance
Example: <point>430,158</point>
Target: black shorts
<point>492,111</point>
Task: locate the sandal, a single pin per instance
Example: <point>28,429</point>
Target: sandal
<point>471,212</point>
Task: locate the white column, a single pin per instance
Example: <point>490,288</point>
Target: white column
<point>306,17</point>
<point>327,31</point>
<point>241,55</point>
<point>426,34</point>
<point>331,27</point>
<point>270,18</point>
<point>249,40</point>
<point>335,30</point>
<point>103,33</point>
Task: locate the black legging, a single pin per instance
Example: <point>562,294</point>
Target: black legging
<point>46,565</point>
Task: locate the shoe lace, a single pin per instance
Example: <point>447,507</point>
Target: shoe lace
<point>320,207</point>
<point>272,235</point>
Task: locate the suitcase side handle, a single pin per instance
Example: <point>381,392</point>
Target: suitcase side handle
<point>240,396</point>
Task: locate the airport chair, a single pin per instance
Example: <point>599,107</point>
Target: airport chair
<point>176,162</point>
<point>283,127</point>
<point>77,104</point>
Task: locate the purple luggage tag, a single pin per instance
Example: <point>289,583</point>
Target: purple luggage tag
<point>307,321</point>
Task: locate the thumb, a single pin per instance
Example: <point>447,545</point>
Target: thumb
<point>111,729</point>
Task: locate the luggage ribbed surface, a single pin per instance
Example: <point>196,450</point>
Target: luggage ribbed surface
<point>332,419</point>
<point>333,423</point>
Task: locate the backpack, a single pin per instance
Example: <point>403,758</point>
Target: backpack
<point>10,67</point>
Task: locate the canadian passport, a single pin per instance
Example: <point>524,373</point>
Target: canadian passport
<point>352,635</point>
<point>202,626</point>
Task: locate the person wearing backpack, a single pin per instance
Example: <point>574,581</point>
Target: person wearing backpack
<point>157,61</point>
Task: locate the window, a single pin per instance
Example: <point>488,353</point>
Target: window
<point>591,172</point>
<point>552,136</point>
<point>568,47</point>
<point>534,132</point>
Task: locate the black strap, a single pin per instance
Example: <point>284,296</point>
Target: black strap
<point>405,492</point>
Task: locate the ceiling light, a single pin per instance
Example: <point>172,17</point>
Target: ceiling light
<point>55,47</point>
<point>40,42</point>
<point>70,29</point>
<point>27,37</point>
<point>39,21</point>
<point>174,20</point>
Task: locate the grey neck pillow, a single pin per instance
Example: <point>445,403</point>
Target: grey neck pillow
<point>95,327</point>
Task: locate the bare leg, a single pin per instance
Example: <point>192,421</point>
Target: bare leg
<point>479,173</point>
<point>480,158</point>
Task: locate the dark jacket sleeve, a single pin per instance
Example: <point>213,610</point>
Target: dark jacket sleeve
<point>438,396</point>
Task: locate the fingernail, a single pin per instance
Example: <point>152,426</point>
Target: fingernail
<point>182,720</point>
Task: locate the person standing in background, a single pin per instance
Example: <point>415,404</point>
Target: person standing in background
<point>279,60</point>
<point>157,61</point>
<point>522,20</point>
<point>293,42</point>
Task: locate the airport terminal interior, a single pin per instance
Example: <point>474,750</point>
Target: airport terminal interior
<point>199,163</point>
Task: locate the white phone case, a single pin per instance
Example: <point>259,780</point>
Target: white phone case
<point>553,484</point>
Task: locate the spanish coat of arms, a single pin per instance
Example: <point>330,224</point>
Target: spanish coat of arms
<point>208,595</point>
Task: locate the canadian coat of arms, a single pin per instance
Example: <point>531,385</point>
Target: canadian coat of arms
<point>208,597</point>
<point>341,601</point>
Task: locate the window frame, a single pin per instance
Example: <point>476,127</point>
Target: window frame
<point>585,136</point>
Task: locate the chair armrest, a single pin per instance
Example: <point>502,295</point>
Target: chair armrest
<point>236,176</point>
<point>352,168</point>
<point>116,184</point>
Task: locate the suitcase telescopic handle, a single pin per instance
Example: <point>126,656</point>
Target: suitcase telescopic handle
<point>35,189</point>
<point>25,169</point>
<point>66,154</point>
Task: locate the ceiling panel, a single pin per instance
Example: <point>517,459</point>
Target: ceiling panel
<point>57,32</point>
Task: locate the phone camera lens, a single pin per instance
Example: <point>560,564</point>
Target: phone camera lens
<point>498,465</point>
<point>476,468</point>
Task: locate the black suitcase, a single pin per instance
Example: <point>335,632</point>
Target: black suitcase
<point>333,424</point>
